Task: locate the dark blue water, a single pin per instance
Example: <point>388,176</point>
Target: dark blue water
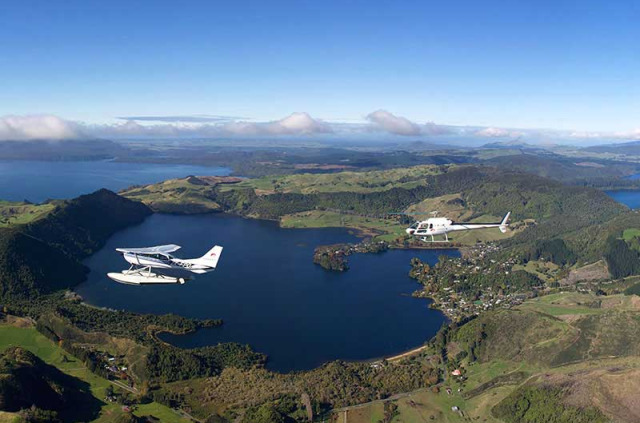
<point>38,181</point>
<point>629,198</point>
<point>270,294</point>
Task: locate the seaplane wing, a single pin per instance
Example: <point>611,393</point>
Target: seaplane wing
<point>158,249</point>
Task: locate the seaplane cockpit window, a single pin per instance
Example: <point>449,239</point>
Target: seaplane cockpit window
<point>160,257</point>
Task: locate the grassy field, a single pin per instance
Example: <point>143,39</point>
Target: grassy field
<point>545,270</point>
<point>20,213</point>
<point>175,195</point>
<point>362,182</point>
<point>571,303</point>
<point>30,339</point>
<point>6,417</point>
<point>630,233</point>
<point>383,229</point>
<point>450,205</point>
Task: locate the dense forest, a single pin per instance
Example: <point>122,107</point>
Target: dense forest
<point>44,256</point>
<point>622,259</point>
<point>29,266</point>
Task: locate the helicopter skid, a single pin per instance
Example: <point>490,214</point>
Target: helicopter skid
<point>425,239</point>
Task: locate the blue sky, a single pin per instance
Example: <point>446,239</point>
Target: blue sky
<point>566,65</point>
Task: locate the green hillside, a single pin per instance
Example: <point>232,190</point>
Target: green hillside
<point>44,255</point>
<point>563,358</point>
<point>29,266</point>
<point>26,382</point>
<point>345,198</point>
<point>12,213</point>
<point>81,225</point>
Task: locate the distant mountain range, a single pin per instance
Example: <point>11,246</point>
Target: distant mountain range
<point>629,148</point>
<point>62,150</point>
<point>515,144</point>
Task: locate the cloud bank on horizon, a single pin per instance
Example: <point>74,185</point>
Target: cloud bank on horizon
<point>398,125</point>
<point>375,125</point>
<point>34,127</point>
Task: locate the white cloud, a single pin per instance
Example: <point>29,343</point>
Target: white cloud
<point>430,128</point>
<point>294,124</point>
<point>586,135</point>
<point>383,120</point>
<point>497,133</point>
<point>36,127</point>
<point>182,118</point>
<point>49,127</point>
<point>389,122</point>
<point>625,135</point>
<point>628,135</point>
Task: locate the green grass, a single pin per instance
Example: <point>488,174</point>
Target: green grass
<point>563,304</point>
<point>545,270</point>
<point>174,195</point>
<point>165,414</point>
<point>6,417</point>
<point>30,339</point>
<point>362,182</point>
<point>385,228</point>
<point>20,213</point>
<point>630,233</point>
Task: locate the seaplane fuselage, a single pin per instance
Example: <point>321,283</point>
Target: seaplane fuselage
<point>166,261</point>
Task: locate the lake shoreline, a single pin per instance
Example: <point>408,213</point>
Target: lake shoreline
<point>375,284</point>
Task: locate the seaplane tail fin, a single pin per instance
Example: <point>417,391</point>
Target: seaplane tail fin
<point>504,223</point>
<point>211,257</point>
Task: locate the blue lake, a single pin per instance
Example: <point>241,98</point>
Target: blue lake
<point>629,198</point>
<point>38,181</point>
<point>270,294</point>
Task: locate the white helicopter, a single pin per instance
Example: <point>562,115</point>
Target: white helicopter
<point>442,226</point>
<point>142,260</point>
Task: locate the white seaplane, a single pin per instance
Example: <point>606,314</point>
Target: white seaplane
<point>142,260</point>
<point>442,226</point>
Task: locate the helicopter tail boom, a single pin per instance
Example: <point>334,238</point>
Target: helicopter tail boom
<point>504,223</point>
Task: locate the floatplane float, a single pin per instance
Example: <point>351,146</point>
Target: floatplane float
<point>143,260</point>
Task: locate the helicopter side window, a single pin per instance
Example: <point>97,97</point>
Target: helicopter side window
<point>430,225</point>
